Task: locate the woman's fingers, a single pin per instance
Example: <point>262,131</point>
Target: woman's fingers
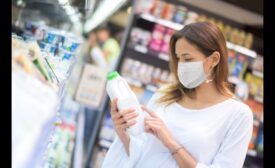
<point>127,124</point>
<point>130,116</point>
<point>152,125</point>
<point>123,113</point>
<point>114,106</point>
<point>150,112</point>
<point>119,121</point>
<point>127,111</point>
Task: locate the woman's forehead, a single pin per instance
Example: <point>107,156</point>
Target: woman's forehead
<point>182,45</point>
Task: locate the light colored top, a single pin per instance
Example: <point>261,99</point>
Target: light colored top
<point>216,137</point>
<point>112,46</point>
<point>98,57</point>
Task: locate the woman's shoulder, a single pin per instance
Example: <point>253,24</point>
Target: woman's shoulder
<point>153,98</point>
<point>241,109</point>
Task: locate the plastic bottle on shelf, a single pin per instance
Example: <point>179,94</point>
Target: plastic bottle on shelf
<point>180,14</point>
<point>248,40</point>
<point>117,87</point>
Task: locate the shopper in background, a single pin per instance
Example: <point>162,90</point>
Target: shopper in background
<point>95,51</point>
<point>194,122</point>
<point>109,45</point>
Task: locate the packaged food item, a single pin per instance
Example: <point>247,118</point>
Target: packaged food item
<point>256,108</point>
<point>70,44</point>
<point>231,59</point>
<point>156,76</point>
<point>166,39</point>
<point>220,25</point>
<point>144,6</point>
<point>52,37</point>
<point>148,74</point>
<point>259,89</point>
<point>260,140</point>
<point>145,38</point>
<point>252,143</point>
<point>157,37</point>
<point>135,69</point>
<point>164,76</point>
<point>64,54</point>
<point>135,35</point>
<point>201,18</point>
<point>38,60</point>
<point>156,8</point>
<point>241,38</point>
<point>66,145</point>
<point>48,47</point>
<point>212,20</point>
<point>126,67</point>
<point>52,157</point>
<point>227,32</point>
<point>240,66</point>
<point>168,11</point>
<point>35,30</point>
<point>117,87</point>
<point>180,14</point>
<point>191,17</point>
<point>234,36</point>
<point>241,90</point>
<point>248,40</point>
<point>142,71</point>
<point>257,63</point>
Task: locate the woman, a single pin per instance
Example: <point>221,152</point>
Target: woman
<point>94,52</point>
<point>193,122</point>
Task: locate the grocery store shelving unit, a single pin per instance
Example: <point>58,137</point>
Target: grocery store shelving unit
<point>144,55</point>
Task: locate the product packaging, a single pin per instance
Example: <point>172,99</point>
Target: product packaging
<point>117,87</point>
<point>180,15</point>
<point>157,38</point>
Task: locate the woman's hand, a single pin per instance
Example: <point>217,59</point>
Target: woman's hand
<point>154,125</point>
<point>122,119</point>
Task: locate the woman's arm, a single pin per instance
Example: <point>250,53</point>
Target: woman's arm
<point>182,157</point>
<point>125,139</point>
<point>231,153</point>
<point>121,121</point>
<point>155,126</point>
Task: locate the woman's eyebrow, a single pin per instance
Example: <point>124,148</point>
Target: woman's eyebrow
<point>183,54</point>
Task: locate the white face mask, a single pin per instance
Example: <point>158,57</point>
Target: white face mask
<point>191,74</point>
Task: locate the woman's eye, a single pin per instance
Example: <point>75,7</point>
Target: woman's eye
<point>188,59</point>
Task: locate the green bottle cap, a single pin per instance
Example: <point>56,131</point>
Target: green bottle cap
<point>112,75</point>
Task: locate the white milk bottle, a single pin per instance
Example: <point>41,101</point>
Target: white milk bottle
<point>117,87</point>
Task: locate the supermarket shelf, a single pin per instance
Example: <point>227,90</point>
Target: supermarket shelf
<point>258,73</point>
<point>148,58</point>
<point>163,22</point>
<point>241,49</point>
<point>251,152</point>
<point>133,82</point>
<point>78,153</point>
<point>177,26</point>
<point>144,50</point>
<point>259,99</point>
<point>138,83</point>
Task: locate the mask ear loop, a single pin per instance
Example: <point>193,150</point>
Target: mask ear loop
<point>209,80</point>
